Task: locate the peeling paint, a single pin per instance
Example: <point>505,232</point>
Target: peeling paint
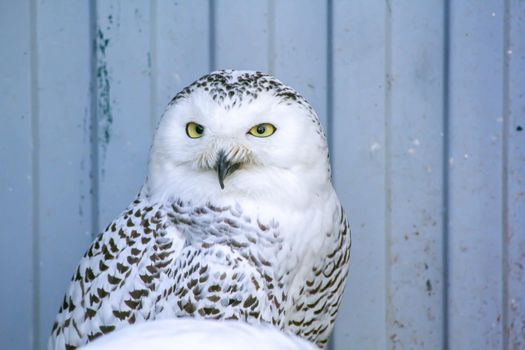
<point>429,287</point>
<point>104,111</point>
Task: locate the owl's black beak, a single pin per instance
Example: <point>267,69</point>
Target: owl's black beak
<point>224,167</point>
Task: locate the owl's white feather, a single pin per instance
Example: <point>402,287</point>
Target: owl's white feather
<point>193,334</point>
<point>272,246</point>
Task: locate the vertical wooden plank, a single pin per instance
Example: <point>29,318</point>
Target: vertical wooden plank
<point>515,177</point>
<point>123,102</point>
<point>415,241</point>
<point>299,56</point>
<point>182,48</point>
<point>16,260</point>
<point>242,35</point>
<point>64,70</point>
<point>358,155</point>
<point>475,193</point>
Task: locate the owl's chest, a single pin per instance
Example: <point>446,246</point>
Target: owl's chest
<point>206,227</point>
<point>284,242</point>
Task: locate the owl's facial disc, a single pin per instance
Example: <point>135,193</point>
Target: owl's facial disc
<point>238,134</point>
<point>225,167</point>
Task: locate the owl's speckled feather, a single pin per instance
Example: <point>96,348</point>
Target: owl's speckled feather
<point>272,247</point>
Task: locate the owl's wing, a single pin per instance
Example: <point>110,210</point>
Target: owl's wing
<point>117,278</point>
<point>314,307</point>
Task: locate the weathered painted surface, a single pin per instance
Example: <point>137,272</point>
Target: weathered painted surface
<point>514,178</point>
<point>17,173</point>
<point>358,156</point>
<point>414,175</point>
<point>423,104</point>
<point>476,170</point>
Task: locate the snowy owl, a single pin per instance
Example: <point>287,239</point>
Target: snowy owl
<point>194,334</point>
<point>237,220</point>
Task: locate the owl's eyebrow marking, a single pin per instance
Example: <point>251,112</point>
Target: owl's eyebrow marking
<point>229,89</point>
<point>232,89</point>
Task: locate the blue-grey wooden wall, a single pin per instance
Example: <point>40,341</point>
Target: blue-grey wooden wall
<point>423,102</point>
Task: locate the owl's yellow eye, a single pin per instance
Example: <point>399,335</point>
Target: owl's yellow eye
<point>262,130</point>
<point>194,130</point>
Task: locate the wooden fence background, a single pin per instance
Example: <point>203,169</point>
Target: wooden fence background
<point>423,102</point>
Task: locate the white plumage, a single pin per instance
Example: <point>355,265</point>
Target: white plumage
<point>193,334</point>
<point>237,220</point>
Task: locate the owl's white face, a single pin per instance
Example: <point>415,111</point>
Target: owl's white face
<point>208,148</point>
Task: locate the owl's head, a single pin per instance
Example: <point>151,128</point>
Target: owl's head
<point>234,134</point>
